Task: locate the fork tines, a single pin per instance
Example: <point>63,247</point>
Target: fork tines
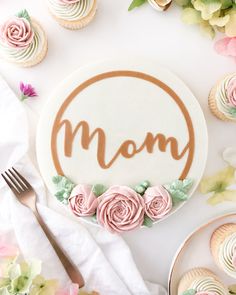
<point>15,181</point>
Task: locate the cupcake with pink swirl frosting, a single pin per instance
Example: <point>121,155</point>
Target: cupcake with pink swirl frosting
<point>201,281</point>
<point>22,40</point>
<point>72,14</point>
<point>222,99</point>
<point>120,209</point>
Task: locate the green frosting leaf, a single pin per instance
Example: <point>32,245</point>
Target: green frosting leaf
<point>136,3</point>
<point>190,292</point>
<point>99,189</point>
<point>24,14</point>
<point>64,188</point>
<point>232,111</point>
<point>147,221</point>
<point>178,189</point>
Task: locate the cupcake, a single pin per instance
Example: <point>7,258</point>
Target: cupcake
<point>73,14</point>
<point>22,40</point>
<point>201,281</point>
<point>222,98</point>
<point>223,248</point>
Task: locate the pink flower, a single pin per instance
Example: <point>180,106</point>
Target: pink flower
<point>231,92</point>
<point>71,290</point>
<point>120,209</point>
<point>27,90</point>
<point>206,293</point>
<point>158,202</point>
<point>83,201</point>
<point>7,250</point>
<point>227,47</point>
<point>17,33</point>
<point>69,1</point>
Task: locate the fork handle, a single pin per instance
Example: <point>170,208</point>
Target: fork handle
<point>71,270</point>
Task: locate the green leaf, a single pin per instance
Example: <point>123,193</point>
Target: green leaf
<point>187,184</point>
<point>183,2</point>
<point>60,195</point>
<point>147,221</point>
<point>140,189</point>
<point>136,3</point>
<point>94,217</point>
<point>24,14</point>
<point>226,4</point>
<point>189,292</point>
<point>56,179</point>
<point>99,189</point>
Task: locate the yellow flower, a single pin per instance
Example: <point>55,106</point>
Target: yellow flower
<point>219,21</point>
<point>207,9</point>
<point>43,287</point>
<point>218,185</point>
<point>230,27</point>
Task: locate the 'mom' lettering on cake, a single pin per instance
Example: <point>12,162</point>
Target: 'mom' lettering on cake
<point>127,149</point>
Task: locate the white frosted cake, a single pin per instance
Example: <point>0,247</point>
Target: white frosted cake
<point>123,142</point>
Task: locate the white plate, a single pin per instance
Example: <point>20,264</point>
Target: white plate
<point>126,98</point>
<point>195,252</point>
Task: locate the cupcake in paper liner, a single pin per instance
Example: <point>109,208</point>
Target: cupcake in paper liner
<point>199,281</point>
<point>22,40</point>
<point>73,14</point>
<point>160,5</point>
<point>223,248</point>
<point>222,98</point>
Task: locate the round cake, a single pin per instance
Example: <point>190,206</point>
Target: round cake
<point>123,142</point>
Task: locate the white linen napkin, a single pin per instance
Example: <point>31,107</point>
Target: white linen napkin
<point>104,259</point>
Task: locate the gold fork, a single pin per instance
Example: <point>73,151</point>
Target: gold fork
<point>26,195</point>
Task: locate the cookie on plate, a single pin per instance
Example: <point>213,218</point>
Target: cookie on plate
<point>223,248</point>
<point>222,98</point>
<point>72,14</point>
<point>22,40</point>
<point>201,281</point>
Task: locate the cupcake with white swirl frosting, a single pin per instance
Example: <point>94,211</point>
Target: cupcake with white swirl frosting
<point>72,14</point>
<point>223,248</point>
<point>222,98</point>
<point>22,40</point>
<point>201,281</point>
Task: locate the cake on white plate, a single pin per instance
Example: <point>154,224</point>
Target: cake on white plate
<point>124,141</point>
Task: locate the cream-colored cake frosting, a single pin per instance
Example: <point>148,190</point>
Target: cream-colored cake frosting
<point>70,12</point>
<point>208,284</point>
<point>227,255</point>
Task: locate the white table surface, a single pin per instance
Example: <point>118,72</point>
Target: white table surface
<point>142,32</point>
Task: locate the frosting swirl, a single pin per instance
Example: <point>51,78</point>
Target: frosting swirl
<point>17,33</point>
<point>158,202</point>
<point>208,285</point>
<point>227,255</point>
<point>22,55</point>
<point>120,209</point>
<point>226,97</point>
<point>70,10</point>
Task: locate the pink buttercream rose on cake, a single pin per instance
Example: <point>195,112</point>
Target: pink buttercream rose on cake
<point>120,209</point>
<point>17,32</point>
<point>158,202</point>
<point>234,259</point>
<point>231,92</point>
<point>83,201</point>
